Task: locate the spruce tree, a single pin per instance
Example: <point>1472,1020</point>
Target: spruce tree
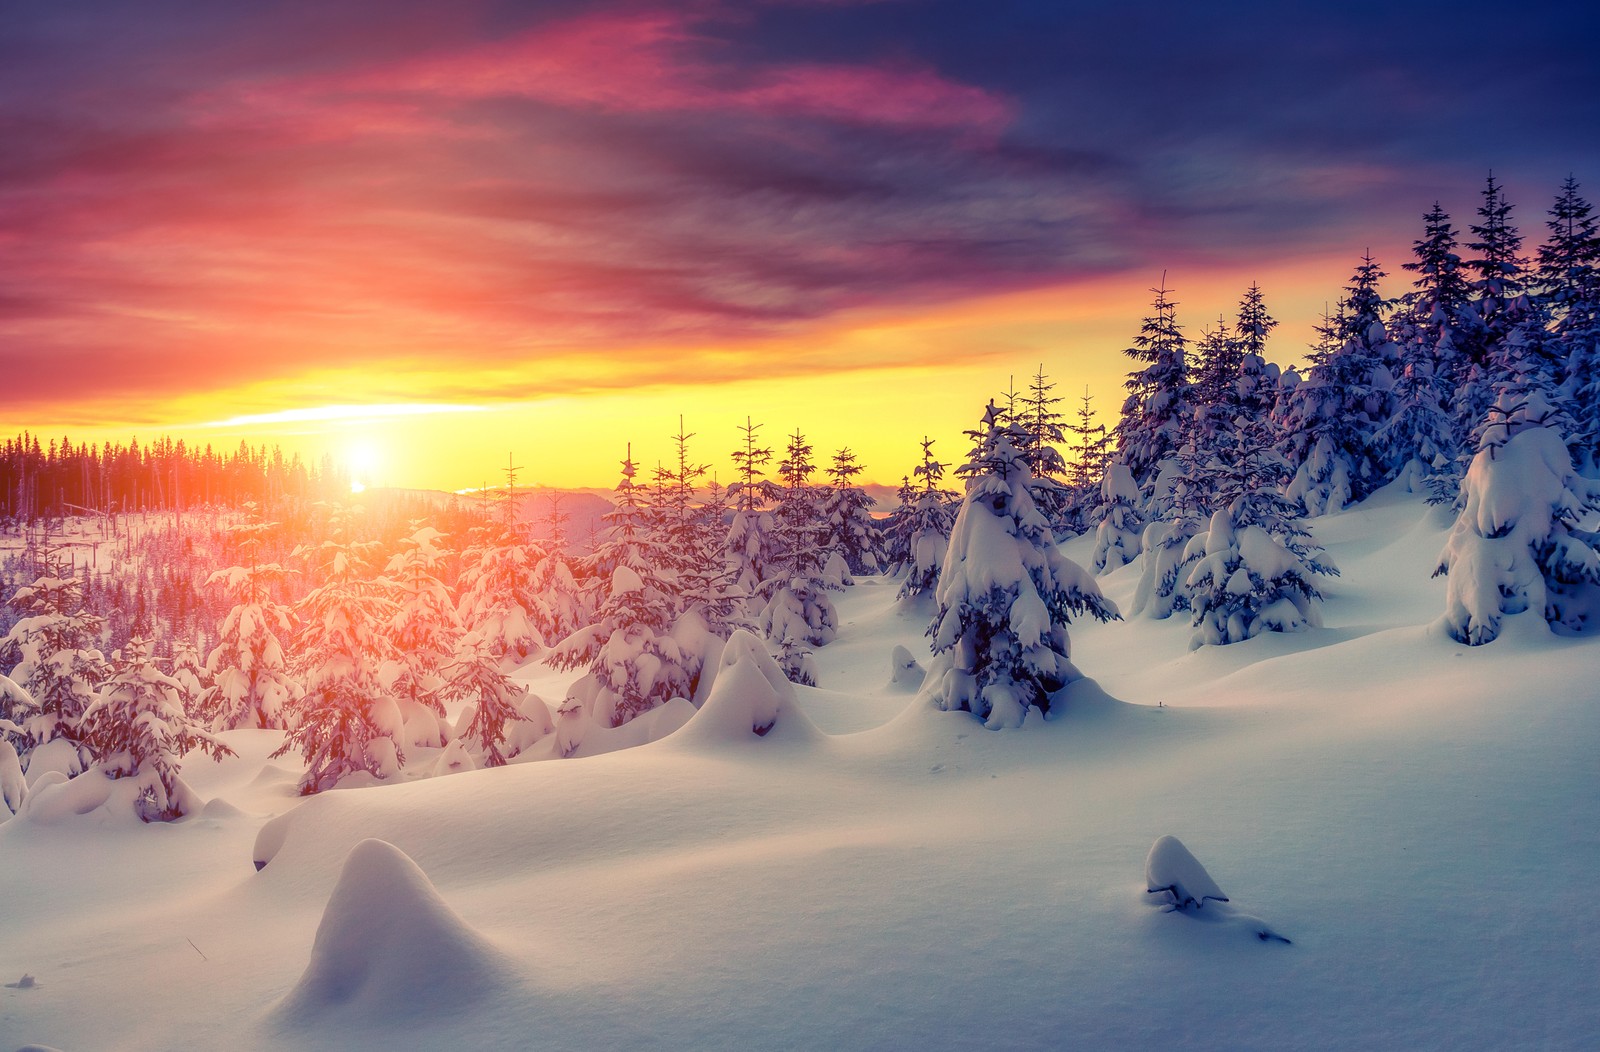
<point>1006,593</point>
<point>1159,394</point>
<point>137,728</point>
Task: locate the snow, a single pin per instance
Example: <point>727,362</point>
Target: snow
<point>886,875</point>
<point>390,949</point>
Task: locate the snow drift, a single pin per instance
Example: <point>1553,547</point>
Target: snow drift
<point>390,948</point>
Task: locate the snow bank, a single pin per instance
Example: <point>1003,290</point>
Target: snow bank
<point>751,697</point>
<point>389,948</point>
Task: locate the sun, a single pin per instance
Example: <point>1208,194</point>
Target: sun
<point>362,460</point>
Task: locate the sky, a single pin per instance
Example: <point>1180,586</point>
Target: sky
<point>428,237</point>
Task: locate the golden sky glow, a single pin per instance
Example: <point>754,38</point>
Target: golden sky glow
<point>432,235</point>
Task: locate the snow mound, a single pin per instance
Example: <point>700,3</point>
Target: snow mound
<point>751,697</point>
<point>389,947</point>
<point>906,672</point>
<point>1172,872</point>
<point>1182,885</point>
<point>13,786</point>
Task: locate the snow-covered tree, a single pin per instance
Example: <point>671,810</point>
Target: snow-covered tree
<point>1249,582</point>
<point>1006,593</point>
<point>423,633</point>
<point>1089,446</point>
<point>1117,537</point>
<point>250,681</point>
<point>1423,439</point>
<point>496,592</point>
<point>1151,427</point>
<point>748,548</point>
<point>847,517</point>
<point>59,673</point>
<point>137,728</point>
<point>1333,416</point>
<point>798,614</point>
<point>1569,283</point>
<point>925,524</point>
<point>344,722</point>
<point>1035,411</point>
<point>1519,540</point>
<point>634,661</point>
<point>474,676</point>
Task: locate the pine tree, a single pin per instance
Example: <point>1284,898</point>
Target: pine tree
<point>423,632</point>
<point>1332,419</point>
<point>1569,281</point>
<point>850,530</point>
<point>1519,540</point>
<point>1424,439</point>
<point>749,543</point>
<point>137,728</point>
<point>474,677</point>
<point>1159,394</point>
<point>1006,593</point>
<point>1035,410</point>
<point>344,722</point>
<point>633,661</point>
<point>798,614</point>
<point>925,526</point>
<point>59,670</point>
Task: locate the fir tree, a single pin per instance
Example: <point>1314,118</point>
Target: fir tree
<point>59,671</point>
<point>1332,419</point>
<point>925,526</point>
<point>1519,540</point>
<point>847,517</point>
<point>344,722</point>
<point>1569,281</point>
<point>137,728</point>
<point>1159,394</point>
<point>798,614</point>
<point>1006,593</point>
<point>423,632</point>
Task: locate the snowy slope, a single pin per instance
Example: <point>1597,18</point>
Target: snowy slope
<point>1412,813</point>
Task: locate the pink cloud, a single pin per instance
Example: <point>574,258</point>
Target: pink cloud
<point>655,61</point>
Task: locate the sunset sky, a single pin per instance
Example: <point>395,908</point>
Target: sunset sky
<point>427,235</point>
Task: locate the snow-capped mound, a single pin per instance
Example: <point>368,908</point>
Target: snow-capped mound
<point>389,948</point>
<point>1182,885</point>
<point>751,697</point>
<point>906,672</point>
<point>1173,873</point>
<point>13,786</point>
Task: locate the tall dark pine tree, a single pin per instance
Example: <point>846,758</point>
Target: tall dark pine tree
<point>1035,411</point>
<point>1151,427</point>
<point>798,614</point>
<point>1334,415</point>
<point>1497,307</point>
<point>1569,285</point>
<point>1424,440</point>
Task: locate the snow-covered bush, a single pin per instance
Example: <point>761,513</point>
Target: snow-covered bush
<point>59,672</point>
<point>1006,592</point>
<point>1117,539</point>
<point>1519,539</point>
<point>137,728</point>
<point>493,700</point>
<point>1248,583</point>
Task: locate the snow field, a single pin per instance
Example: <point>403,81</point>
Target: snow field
<point>879,875</point>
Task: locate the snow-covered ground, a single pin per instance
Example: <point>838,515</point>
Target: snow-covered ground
<point>1414,815</point>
